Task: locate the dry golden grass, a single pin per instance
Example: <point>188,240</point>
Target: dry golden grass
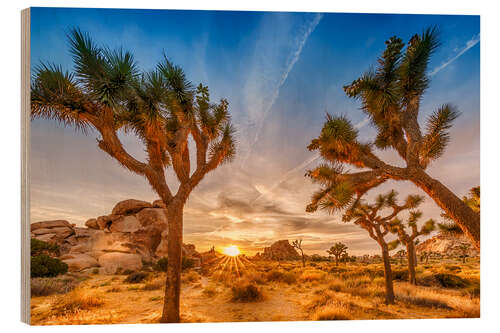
<point>437,298</point>
<point>320,292</point>
<point>190,277</point>
<point>312,275</point>
<point>76,301</point>
<point>333,311</point>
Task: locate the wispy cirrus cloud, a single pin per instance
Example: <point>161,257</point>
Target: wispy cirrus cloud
<point>292,59</point>
<point>468,45</point>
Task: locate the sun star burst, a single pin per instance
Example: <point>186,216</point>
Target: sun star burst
<point>231,250</point>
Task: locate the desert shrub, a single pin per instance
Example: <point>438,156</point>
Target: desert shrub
<point>451,281</point>
<point>336,285</point>
<point>210,290</point>
<point>246,292</point>
<point>76,301</point>
<point>127,272</point>
<point>321,299</point>
<point>162,263</point>
<point>137,277</point>
<point>357,282</point>
<point>428,280</point>
<point>280,276</point>
<point>95,271</point>
<point>191,276</point>
<point>473,291</point>
<point>337,269</point>
<point>154,285</point>
<point>51,286</point>
<point>289,278</point>
<point>427,302</point>
<point>453,268</point>
<point>44,266</point>
<point>312,275</point>
<point>187,263</point>
<point>336,311</point>
<point>114,290</point>
<point>256,277</point>
<point>39,247</point>
<point>400,274</point>
<point>274,275</point>
<point>318,258</point>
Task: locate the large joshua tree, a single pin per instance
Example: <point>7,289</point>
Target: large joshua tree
<point>107,93</point>
<point>337,250</point>
<point>390,97</point>
<point>407,235</point>
<point>376,219</point>
<point>473,200</point>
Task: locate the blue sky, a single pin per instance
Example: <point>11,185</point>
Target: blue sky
<point>280,73</point>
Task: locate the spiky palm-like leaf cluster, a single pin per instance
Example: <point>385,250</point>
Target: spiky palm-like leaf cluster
<point>107,92</point>
<point>389,96</point>
<point>473,200</point>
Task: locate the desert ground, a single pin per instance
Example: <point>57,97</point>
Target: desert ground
<point>233,289</point>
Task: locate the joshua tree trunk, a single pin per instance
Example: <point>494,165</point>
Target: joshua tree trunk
<point>410,250</point>
<point>303,259</point>
<point>415,259</point>
<point>463,215</point>
<point>389,289</point>
<point>173,283</point>
<point>336,260</point>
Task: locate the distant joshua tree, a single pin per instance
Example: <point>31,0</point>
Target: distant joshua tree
<point>424,255</point>
<point>337,250</point>
<point>408,238</point>
<point>390,96</point>
<point>370,218</point>
<point>464,249</point>
<point>107,93</point>
<point>401,254</point>
<point>298,245</point>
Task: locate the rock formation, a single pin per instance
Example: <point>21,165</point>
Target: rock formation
<point>447,245</point>
<point>134,232</point>
<point>280,250</point>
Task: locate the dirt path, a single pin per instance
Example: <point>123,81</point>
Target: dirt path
<point>276,306</point>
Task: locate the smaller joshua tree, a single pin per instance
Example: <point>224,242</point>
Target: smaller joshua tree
<point>401,254</point>
<point>424,255</point>
<point>298,245</point>
<point>464,249</point>
<point>408,238</point>
<point>337,250</point>
<point>370,218</point>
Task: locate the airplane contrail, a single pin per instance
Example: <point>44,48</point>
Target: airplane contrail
<point>470,43</point>
<point>294,58</point>
<point>302,165</point>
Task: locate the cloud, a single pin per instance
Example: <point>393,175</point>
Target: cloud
<point>291,61</point>
<point>290,173</point>
<point>470,44</point>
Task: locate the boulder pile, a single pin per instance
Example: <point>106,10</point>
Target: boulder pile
<point>134,233</point>
<point>447,244</point>
<point>280,250</point>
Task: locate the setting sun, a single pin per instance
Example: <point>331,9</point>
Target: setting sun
<point>231,250</point>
